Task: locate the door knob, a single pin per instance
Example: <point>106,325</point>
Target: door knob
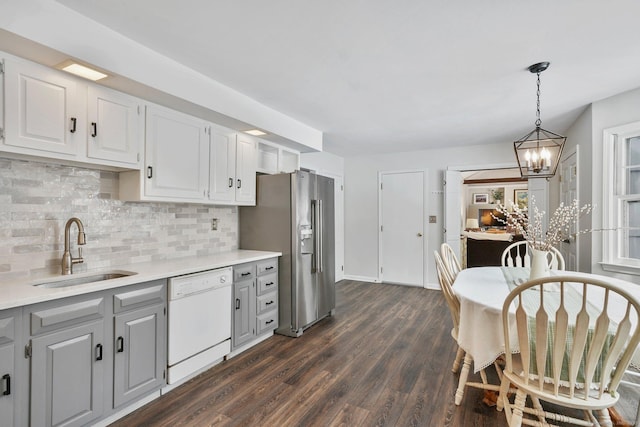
<point>419,234</point>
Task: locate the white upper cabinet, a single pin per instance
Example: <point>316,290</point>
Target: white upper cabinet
<point>44,111</point>
<point>176,155</point>
<point>113,126</point>
<point>233,168</point>
<point>222,176</point>
<point>246,164</point>
<point>54,115</point>
<point>273,158</point>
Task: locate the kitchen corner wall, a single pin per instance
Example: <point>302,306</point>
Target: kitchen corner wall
<point>37,199</point>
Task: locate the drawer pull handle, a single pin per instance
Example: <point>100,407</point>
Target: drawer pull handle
<point>73,125</point>
<point>230,182</point>
<point>120,345</point>
<point>94,129</point>
<point>7,381</point>
<point>268,284</point>
<point>237,304</point>
<point>268,303</point>
<point>149,172</point>
<point>245,274</point>
<point>239,183</point>
<point>99,352</point>
<point>268,321</point>
<point>269,268</point>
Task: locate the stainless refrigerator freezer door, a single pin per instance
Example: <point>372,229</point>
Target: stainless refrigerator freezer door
<point>325,277</point>
<point>304,295</point>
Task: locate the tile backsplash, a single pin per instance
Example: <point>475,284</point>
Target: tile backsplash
<point>37,199</point>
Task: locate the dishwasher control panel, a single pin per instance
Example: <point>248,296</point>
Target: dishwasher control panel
<point>190,284</point>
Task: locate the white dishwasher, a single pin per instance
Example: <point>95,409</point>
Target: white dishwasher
<point>199,321</point>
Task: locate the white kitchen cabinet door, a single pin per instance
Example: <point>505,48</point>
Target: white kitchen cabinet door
<point>44,111</point>
<point>246,165</point>
<point>176,155</point>
<point>223,165</point>
<point>113,126</point>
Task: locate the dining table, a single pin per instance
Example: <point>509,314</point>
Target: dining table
<point>482,291</point>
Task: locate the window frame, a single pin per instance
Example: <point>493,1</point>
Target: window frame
<point>614,201</point>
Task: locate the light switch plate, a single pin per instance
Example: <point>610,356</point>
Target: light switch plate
<point>214,224</point>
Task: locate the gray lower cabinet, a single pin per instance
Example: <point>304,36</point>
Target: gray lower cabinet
<point>91,355</point>
<point>67,361</point>
<point>244,295</point>
<point>255,291</point>
<point>139,347</point>
<point>9,409</point>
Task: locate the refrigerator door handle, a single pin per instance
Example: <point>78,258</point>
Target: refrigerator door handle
<point>314,235</point>
<point>320,231</point>
<point>317,235</point>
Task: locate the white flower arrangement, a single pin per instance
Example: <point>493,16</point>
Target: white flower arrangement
<point>560,223</point>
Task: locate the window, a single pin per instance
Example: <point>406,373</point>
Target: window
<point>622,198</point>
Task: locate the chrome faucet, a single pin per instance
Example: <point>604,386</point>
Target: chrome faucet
<point>67,259</point>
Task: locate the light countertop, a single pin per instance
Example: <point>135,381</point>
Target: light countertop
<point>22,292</point>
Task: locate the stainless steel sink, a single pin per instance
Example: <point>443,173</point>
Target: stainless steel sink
<point>82,280</point>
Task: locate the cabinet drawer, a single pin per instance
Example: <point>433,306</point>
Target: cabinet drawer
<point>244,272</point>
<point>7,329</point>
<point>267,302</point>
<point>267,322</point>
<point>51,317</point>
<point>267,283</point>
<point>151,293</point>
<point>268,266</point>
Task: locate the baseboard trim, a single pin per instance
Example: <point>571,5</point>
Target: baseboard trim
<point>362,278</point>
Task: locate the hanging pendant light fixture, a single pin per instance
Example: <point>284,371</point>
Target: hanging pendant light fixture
<point>539,151</point>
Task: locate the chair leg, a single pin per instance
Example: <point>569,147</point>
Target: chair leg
<point>464,375</point>
<point>456,362</point>
<point>603,417</point>
<point>518,407</point>
<point>504,393</point>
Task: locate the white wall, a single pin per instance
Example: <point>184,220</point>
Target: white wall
<point>325,162</point>
<point>614,111</point>
<point>361,198</point>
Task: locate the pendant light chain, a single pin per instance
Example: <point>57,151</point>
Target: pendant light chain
<point>538,121</point>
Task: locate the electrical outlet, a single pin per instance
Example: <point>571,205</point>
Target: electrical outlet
<point>432,219</point>
<point>214,224</point>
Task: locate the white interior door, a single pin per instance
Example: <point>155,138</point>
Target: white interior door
<point>569,192</point>
<point>402,227</point>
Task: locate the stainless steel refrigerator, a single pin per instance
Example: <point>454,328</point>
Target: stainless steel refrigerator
<point>294,214</point>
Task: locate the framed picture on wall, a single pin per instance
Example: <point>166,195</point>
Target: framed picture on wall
<point>521,198</point>
<point>480,198</point>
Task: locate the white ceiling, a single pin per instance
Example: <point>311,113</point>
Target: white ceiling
<point>384,76</point>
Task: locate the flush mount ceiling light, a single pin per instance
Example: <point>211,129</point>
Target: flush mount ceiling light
<point>539,151</point>
<point>81,70</point>
<point>255,132</point>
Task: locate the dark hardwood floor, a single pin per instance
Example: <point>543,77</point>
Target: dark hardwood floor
<point>384,359</point>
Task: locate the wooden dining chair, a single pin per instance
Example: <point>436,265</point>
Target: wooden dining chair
<point>446,285</point>
<point>572,353</point>
<point>450,259</point>
<point>517,255</point>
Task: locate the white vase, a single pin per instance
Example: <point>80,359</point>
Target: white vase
<point>539,264</point>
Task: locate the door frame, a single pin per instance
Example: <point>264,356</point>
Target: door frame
<point>425,240</point>
<point>566,156</point>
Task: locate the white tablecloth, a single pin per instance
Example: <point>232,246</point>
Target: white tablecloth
<point>482,291</point>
